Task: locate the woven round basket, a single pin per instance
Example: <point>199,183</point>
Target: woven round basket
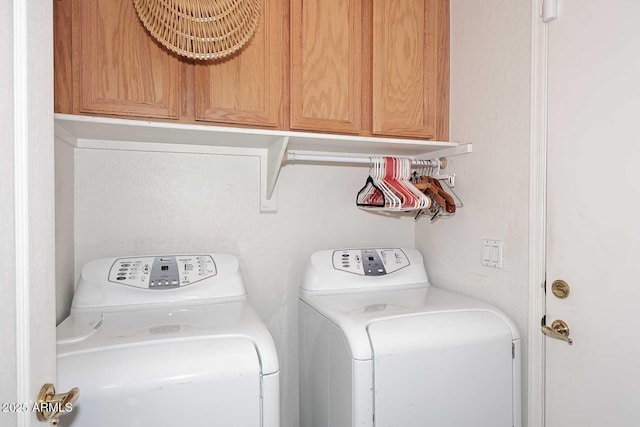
<point>200,29</point>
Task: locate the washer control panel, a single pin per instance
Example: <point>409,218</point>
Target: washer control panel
<point>370,262</point>
<point>162,272</point>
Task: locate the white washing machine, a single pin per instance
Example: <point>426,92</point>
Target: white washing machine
<point>381,347</point>
<point>167,341</point>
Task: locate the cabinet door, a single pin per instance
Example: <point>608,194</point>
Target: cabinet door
<point>326,56</point>
<point>123,70</point>
<point>62,57</point>
<point>410,68</point>
<point>246,88</point>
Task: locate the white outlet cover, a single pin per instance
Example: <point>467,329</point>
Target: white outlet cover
<point>492,253</point>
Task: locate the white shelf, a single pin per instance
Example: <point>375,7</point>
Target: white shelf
<point>269,145</point>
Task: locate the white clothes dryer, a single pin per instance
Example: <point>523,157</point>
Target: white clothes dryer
<point>167,340</point>
<point>379,346</point>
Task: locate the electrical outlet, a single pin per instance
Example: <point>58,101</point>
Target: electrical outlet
<point>492,253</point>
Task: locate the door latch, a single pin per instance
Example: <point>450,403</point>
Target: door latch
<point>51,406</point>
<point>559,330</point>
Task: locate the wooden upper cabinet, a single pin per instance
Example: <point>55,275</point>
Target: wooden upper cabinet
<point>247,88</point>
<point>370,67</point>
<point>326,59</point>
<point>411,68</point>
<point>122,69</point>
<point>362,67</point>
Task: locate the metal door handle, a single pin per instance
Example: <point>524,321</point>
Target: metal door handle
<point>558,330</point>
<point>52,406</point>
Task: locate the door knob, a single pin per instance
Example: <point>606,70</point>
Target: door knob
<point>558,330</point>
<point>52,406</point>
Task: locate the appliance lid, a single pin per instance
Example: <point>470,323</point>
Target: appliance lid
<point>170,326</point>
<point>354,313</point>
<point>346,270</point>
<point>157,279</point>
<point>79,327</point>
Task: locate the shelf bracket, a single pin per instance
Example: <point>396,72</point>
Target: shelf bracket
<point>270,164</point>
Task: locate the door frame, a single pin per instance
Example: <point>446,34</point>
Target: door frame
<point>537,217</point>
<point>22,170</point>
<point>29,265</point>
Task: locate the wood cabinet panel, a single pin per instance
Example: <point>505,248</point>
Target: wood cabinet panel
<point>247,88</point>
<point>406,62</point>
<point>326,61</point>
<point>62,54</point>
<point>123,70</point>
<point>443,71</point>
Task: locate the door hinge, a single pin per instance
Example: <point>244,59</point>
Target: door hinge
<point>513,351</point>
<point>549,10</point>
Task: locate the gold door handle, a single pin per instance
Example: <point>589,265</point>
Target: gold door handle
<point>52,406</point>
<point>558,330</point>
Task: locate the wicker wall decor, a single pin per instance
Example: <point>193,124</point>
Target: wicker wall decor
<point>200,29</point>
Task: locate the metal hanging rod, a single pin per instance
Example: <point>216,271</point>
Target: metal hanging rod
<point>292,157</point>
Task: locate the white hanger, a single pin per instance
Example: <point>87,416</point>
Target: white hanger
<point>423,202</point>
<point>393,201</point>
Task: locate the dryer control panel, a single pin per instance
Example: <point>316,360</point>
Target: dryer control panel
<point>162,272</point>
<point>370,262</point>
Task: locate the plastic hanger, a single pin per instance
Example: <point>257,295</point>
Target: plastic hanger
<point>392,196</point>
<point>402,172</point>
<point>367,196</point>
<point>391,186</point>
<point>423,202</point>
<point>406,198</point>
<point>384,198</point>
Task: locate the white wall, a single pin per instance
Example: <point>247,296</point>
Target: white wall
<point>490,95</point>
<point>130,203</point>
<point>65,228</point>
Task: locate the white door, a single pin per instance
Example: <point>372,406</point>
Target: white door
<point>593,240</point>
<point>27,291</point>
